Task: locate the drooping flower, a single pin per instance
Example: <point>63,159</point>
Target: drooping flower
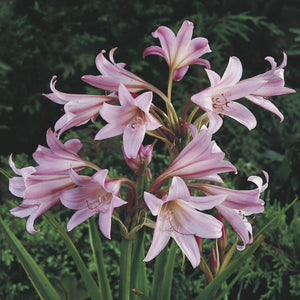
<point>97,194</point>
<point>41,186</point>
<point>179,51</point>
<point>113,74</point>
<point>138,163</point>
<point>132,119</point>
<point>79,109</point>
<point>238,205</point>
<point>201,159</point>
<point>219,97</point>
<point>273,86</point>
<point>178,216</point>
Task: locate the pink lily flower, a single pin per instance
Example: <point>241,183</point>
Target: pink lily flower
<point>79,109</point>
<point>96,194</point>
<point>179,218</point>
<point>219,97</point>
<point>238,205</point>
<point>201,159</point>
<point>179,51</point>
<point>113,74</point>
<point>273,86</point>
<point>41,186</point>
<point>132,119</point>
<point>137,164</point>
<point>59,157</point>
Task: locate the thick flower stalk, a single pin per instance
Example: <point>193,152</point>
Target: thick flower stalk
<point>178,216</point>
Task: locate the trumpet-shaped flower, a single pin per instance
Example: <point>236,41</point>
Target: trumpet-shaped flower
<point>238,205</point>
<point>219,97</point>
<point>113,74</point>
<point>179,51</point>
<point>273,86</point>
<point>201,159</point>
<point>97,194</point>
<point>132,119</point>
<point>41,186</point>
<point>59,157</point>
<point>178,216</point>
<point>79,109</point>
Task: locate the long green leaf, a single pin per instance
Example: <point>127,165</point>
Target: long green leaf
<point>139,280</point>
<point>233,267</point>
<point>158,274</point>
<point>85,275</point>
<point>34,273</point>
<point>166,288</point>
<point>96,246</point>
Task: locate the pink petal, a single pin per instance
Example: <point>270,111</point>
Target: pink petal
<point>155,50</point>
<point>213,77</point>
<point>105,222</point>
<point>266,104</point>
<point>153,203</point>
<point>79,217</point>
<point>189,247</point>
<point>144,101</point>
<point>166,37</point>
<point>179,73</point>
<point>178,189</point>
<point>233,72</point>
<point>109,131</point>
<point>132,138</point>
<point>241,114</point>
<point>206,202</point>
<point>159,241</point>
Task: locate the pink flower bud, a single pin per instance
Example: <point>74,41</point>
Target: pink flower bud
<point>222,241</point>
<point>137,165</point>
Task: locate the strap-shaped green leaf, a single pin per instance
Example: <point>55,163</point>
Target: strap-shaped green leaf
<point>96,245</point>
<point>34,273</point>
<point>166,287</point>
<point>233,267</point>
<point>88,280</point>
<point>139,280</point>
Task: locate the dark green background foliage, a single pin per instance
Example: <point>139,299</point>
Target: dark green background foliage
<point>39,39</point>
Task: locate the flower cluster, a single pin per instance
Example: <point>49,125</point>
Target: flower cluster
<point>196,161</point>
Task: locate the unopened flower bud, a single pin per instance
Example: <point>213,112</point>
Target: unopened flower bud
<point>222,241</point>
<point>213,260</point>
<point>137,164</point>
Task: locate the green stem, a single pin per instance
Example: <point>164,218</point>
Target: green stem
<point>125,268</point>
